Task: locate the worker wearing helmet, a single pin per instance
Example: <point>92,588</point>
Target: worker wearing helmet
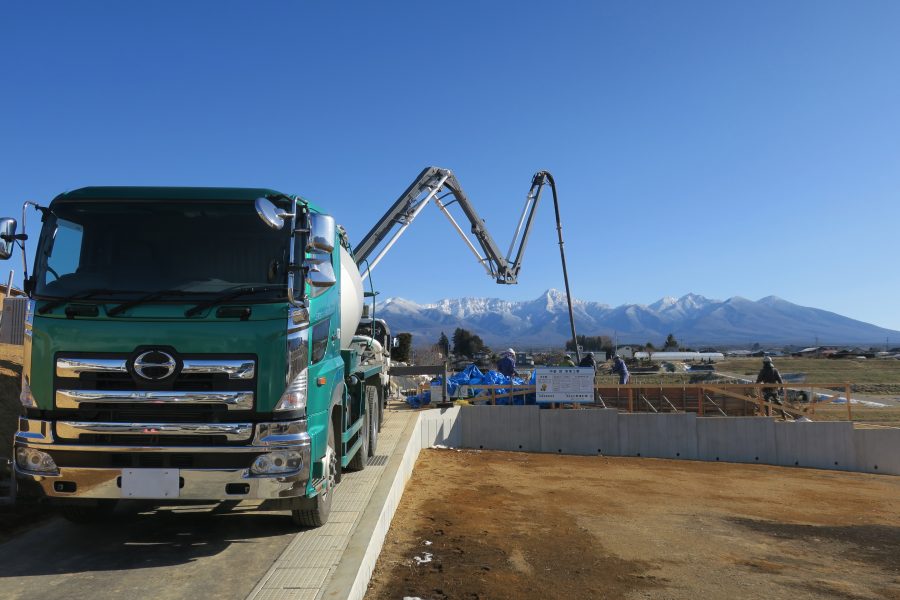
<point>567,361</point>
<point>769,374</point>
<point>507,363</point>
<point>621,368</point>
<point>588,361</point>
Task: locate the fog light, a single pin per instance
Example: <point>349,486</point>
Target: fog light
<point>280,461</point>
<point>29,459</point>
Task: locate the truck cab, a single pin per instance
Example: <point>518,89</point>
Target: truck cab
<point>190,344</point>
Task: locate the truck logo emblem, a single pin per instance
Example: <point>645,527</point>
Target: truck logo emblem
<point>154,365</point>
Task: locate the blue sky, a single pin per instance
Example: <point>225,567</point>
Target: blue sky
<point>722,148</point>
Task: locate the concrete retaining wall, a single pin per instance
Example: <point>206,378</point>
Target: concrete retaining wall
<point>441,428</point>
<point>761,440</point>
<point>658,435</point>
<point>736,439</point>
<point>594,432</point>
<point>877,451</point>
<point>501,427</point>
<point>817,445</point>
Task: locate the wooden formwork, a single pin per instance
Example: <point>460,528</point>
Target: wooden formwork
<point>705,399</point>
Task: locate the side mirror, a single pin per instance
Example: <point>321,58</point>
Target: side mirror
<point>7,236</point>
<point>270,214</point>
<point>319,272</point>
<point>321,233</point>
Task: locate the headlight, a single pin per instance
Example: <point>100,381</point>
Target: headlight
<point>279,461</point>
<point>26,398</point>
<point>29,459</point>
<point>294,397</point>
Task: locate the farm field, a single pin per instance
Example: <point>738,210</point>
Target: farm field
<point>871,377</point>
<point>477,524</point>
<point>867,376</point>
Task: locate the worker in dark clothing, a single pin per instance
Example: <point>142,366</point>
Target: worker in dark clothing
<point>769,374</point>
<point>588,361</point>
<point>621,368</point>
<point>507,363</point>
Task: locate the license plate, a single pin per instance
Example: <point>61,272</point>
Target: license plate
<point>150,483</point>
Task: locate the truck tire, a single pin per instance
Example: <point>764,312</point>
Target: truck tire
<point>382,404</point>
<point>372,402</point>
<point>358,462</point>
<point>314,512</point>
<point>87,514</point>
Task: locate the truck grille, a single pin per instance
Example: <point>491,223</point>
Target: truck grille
<point>193,382</point>
<point>130,413</point>
<point>154,460</point>
<point>111,388</point>
<point>153,440</point>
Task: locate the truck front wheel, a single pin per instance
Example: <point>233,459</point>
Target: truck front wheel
<point>372,405</point>
<point>314,512</point>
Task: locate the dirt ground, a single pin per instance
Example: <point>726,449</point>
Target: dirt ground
<point>497,525</point>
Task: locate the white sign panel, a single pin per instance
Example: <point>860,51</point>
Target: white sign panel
<point>564,384</point>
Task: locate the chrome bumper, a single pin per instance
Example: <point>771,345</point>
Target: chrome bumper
<point>231,400</point>
<point>196,484</point>
<point>233,432</point>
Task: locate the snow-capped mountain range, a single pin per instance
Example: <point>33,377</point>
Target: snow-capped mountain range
<point>544,322</point>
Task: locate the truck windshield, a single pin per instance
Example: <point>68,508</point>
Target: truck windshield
<point>129,247</point>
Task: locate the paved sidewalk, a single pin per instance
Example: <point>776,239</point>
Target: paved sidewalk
<point>307,565</point>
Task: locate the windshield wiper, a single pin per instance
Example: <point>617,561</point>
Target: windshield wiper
<point>116,310</point>
<point>82,295</point>
<point>231,295</point>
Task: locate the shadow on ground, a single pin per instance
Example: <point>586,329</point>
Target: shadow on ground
<point>875,544</point>
<point>132,540</point>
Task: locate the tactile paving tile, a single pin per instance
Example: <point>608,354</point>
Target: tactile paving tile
<point>287,594</point>
<point>304,567</point>
<point>343,516</point>
<point>297,577</point>
<point>321,558</point>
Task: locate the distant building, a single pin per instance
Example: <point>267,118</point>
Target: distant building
<point>807,352</point>
<point>738,353</point>
<point>628,351</point>
<point>816,351</point>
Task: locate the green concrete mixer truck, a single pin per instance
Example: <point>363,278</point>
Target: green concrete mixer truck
<point>188,344</point>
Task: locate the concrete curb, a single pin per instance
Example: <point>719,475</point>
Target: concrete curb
<point>351,578</point>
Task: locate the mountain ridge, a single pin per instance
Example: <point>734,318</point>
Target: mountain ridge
<point>692,318</point>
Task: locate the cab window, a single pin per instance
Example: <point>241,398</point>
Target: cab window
<point>320,340</point>
<point>64,253</point>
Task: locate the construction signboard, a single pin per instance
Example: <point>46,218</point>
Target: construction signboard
<point>564,384</point>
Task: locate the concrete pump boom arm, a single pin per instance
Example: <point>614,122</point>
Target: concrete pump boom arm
<point>436,184</point>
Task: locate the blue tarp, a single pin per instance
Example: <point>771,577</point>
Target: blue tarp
<point>419,400</point>
<point>472,376</point>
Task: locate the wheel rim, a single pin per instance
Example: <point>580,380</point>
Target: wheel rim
<point>331,464</point>
<point>373,437</point>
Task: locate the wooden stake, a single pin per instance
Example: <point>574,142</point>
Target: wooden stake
<point>847,395</point>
